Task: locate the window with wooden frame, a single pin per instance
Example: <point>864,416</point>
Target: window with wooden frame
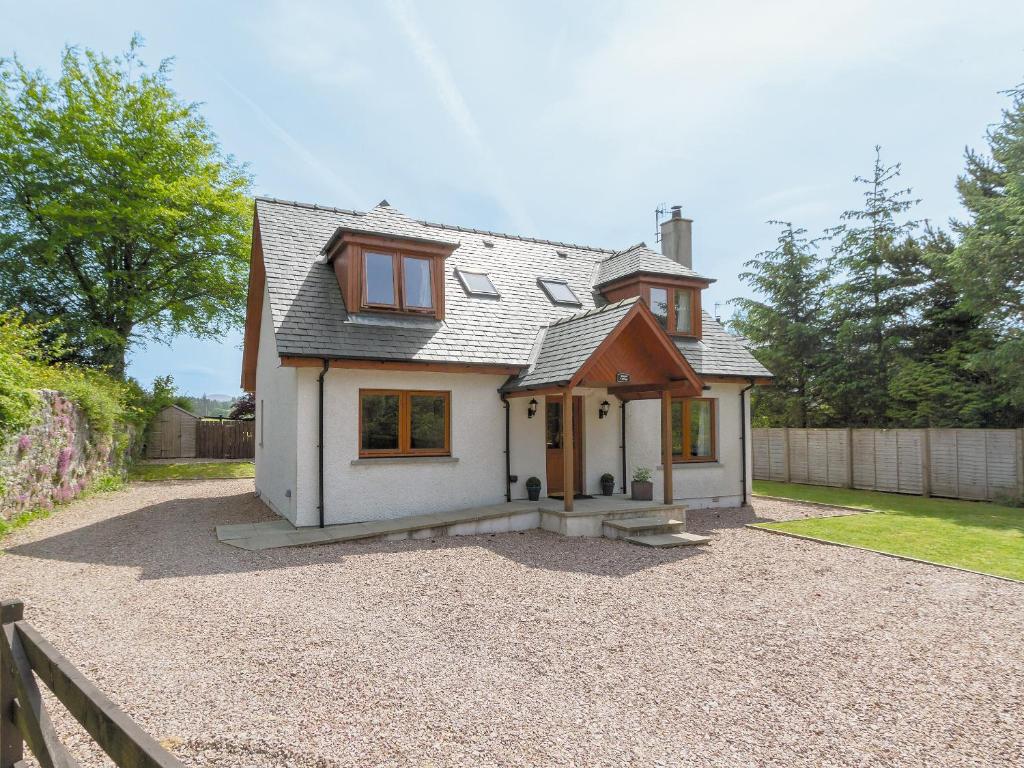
<point>675,309</point>
<point>395,422</point>
<point>398,281</point>
<point>694,437</point>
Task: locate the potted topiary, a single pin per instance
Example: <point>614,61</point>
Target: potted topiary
<point>607,483</point>
<point>533,488</point>
<point>642,487</point>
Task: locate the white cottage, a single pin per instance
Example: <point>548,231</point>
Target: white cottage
<point>404,367</point>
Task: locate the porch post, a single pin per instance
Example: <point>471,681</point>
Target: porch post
<point>567,451</point>
<point>666,443</point>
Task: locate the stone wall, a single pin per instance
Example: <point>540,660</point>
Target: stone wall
<point>55,459</point>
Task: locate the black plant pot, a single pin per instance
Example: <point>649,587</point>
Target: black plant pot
<point>642,491</point>
<point>608,489</point>
<point>533,493</point>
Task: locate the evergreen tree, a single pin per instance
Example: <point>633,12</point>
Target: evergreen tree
<point>869,306</point>
<point>936,382</point>
<point>784,327</point>
<point>990,257</point>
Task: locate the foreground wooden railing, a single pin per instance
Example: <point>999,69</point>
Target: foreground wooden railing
<point>23,718</point>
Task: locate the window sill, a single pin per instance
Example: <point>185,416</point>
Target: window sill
<point>692,464</point>
<point>405,460</point>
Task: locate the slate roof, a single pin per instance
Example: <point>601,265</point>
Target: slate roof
<point>563,347</point>
<point>310,319</point>
<point>640,258</point>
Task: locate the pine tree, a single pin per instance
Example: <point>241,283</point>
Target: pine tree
<point>784,326</point>
<point>868,308</point>
<point>990,257</point>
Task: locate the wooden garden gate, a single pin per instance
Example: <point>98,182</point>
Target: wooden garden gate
<point>26,655</point>
<point>226,439</point>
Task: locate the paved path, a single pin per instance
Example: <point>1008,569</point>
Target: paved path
<point>520,649</point>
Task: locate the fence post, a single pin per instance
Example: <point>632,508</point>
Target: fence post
<point>785,453</point>
<point>849,457</point>
<point>1020,463</point>
<point>926,463</point>
<point>12,749</point>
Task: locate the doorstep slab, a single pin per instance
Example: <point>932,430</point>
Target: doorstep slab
<point>664,540</point>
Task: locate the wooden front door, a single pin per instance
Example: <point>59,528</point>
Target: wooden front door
<point>553,438</point>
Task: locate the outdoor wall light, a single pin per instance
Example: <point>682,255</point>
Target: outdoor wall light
<point>603,410</point>
<point>531,410</point>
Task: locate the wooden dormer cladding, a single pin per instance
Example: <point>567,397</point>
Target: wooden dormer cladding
<point>642,285</point>
<point>349,252</point>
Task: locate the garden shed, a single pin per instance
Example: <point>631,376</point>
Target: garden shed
<point>172,435</point>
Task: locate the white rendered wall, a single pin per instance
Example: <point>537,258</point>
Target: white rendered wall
<point>698,484</point>
<point>601,442</point>
<point>386,488</point>
<point>275,423</point>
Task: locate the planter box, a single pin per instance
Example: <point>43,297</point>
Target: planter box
<point>607,489</point>
<point>533,493</point>
<point>642,491</point>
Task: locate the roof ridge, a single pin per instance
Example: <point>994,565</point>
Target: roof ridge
<point>524,238</point>
<point>312,206</point>
<point>624,251</point>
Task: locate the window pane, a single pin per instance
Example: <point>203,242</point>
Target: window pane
<point>417,283</point>
<point>428,420</point>
<point>700,428</point>
<point>553,424</point>
<point>659,305</point>
<point>380,422</point>
<point>684,313</point>
<point>560,291</point>
<point>677,428</point>
<point>477,282</point>
<point>380,278</point>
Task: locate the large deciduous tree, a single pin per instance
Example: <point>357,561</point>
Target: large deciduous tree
<point>783,325</point>
<point>990,256</point>
<point>120,216</point>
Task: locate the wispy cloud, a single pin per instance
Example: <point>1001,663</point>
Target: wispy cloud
<point>455,105</point>
<point>340,190</point>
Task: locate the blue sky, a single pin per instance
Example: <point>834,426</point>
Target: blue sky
<point>569,121</point>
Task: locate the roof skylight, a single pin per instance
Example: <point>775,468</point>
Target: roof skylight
<point>476,283</point>
<point>558,291</point>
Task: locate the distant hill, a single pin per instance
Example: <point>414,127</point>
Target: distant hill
<point>210,405</point>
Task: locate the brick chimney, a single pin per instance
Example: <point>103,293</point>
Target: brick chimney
<point>677,238</point>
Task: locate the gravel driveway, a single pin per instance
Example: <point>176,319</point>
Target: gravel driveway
<point>520,649</point>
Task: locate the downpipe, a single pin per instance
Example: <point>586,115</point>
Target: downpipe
<point>320,441</point>
<point>508,450</point>
<point>743,442</point>
<point>622,420</point>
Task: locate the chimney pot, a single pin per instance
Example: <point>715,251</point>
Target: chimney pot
<point>677,238</point>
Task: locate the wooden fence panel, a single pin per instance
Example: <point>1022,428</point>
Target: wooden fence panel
<point>909,447</point>
<point>798,456</point>
<point>760,450</point>
<point>942,443</point>
<point>1001,462</point>
<point>970,457</point>
<point>226,439</point>
<point>957,463</point>
<point>836,449</point>
<point>778,455</point>
<point>864,458</point>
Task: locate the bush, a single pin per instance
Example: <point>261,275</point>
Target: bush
<point>26,368</point>
<point>642,475</point>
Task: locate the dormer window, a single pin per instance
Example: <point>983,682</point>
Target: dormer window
<point>397,282</point>
<point>559,291</point>
<point>675,308</point>
<point>476,283</point>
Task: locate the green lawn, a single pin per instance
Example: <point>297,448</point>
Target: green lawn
<point>969,534</point>
<point>195,471</point>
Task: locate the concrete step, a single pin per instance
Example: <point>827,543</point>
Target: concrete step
<point>640,526</point>
<point>662,540</point>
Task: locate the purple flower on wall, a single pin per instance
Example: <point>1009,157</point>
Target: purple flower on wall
<point>64,461</point>
<point>24,443</point>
